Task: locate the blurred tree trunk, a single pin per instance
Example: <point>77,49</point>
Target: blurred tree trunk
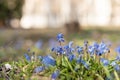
<point>2,24</point>
<point>73,27</point>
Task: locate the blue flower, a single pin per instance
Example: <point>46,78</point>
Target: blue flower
<point>27,57</point>
<point>70,44</point>
<point>85,43</point>
<point>55,75</point>
<point>53,49</point>
<point>118,53</point>
<point>48,61</point>
<point>68,48</point>
<point>102,49</point>
<point>95,45</point>
<point>118,57</point>
<point>118,50</point>
<point>60,37</point>
<point>117,67</point>
<point>58,50</point>
<point>39,69</point>
<point>104,61</point>
<point>91,50</point>
<point>79,49</point>
<point>71,57</point>
<point>85,64</point>
<point>79,59</point>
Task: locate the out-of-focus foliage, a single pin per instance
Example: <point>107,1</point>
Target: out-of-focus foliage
<point>10,9</point>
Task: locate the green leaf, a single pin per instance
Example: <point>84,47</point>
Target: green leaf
<point>116,75</point>
<point>99,77</point>
<point>68,63</point>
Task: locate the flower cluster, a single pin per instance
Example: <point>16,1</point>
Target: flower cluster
<point>85,60</point>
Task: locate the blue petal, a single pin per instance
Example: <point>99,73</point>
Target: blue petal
<point>118,50</point>
<point>96,45</point>
<point>71,57</point>
<point>79,59</point>
<point>39,69</point>
<point>60,37</point>
<point>79,49</point>
<point>85,64</point>
<point>27,57</point>
<point>70,44</point>
<point>91,50</point>
<point>48,61</point>
<point>53,49</point>
<point>105,61</point>
<point>117,68</point>
<point>118,57</point>
<point>55,74</point>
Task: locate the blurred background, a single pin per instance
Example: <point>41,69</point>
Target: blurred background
<point>35,23</point>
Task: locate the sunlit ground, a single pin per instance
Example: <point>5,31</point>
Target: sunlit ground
<point>14,43</point>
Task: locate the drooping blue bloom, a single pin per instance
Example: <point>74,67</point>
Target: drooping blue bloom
<point>118,57</point>
<point>85,64</point>
<point>27,57</point>
<point>53,49</point>
<point>99,52</point>
<point>58,50</point>
<point>91,50</point>
<point>70,44</point>
<point>79,59</point>
<point>60,37</point>
<point>85,43</point>
<point>95,45</point>
<point>118,50</point>
<point>71,57</point>
<point>48,61</point>
<point>104,61</point>
<point>39,69</point>
<point>102,45</point>
<point>68,48</point>
<point>102,49</point>
<point>55,75</point>
<point>79,49</point>
<point>117,67</point>
<point>118,53</point>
